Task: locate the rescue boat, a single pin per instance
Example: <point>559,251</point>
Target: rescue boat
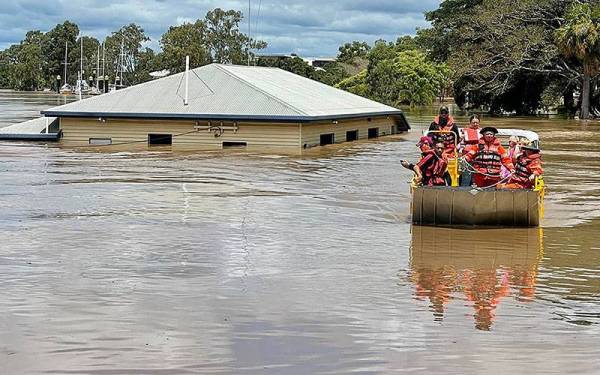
<point>456,205</point>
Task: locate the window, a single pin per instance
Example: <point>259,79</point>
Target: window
<point>234,144</point>
<point>327,139</point>
<point>100,141</point>
<point>160,139</point>
<point>351,135</point>
<point>373,132</point>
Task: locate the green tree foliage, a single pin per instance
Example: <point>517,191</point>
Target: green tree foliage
<point>579,37</point>
<point>226,43</point>
<point>188,39</point>
<point>497,49</point>
<point>349,52</point>
<point>54,49</point>
<point>398,73</point>
<point>357,84</point>
<point>123,48</point>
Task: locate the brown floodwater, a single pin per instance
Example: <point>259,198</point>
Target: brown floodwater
<point>154,262</point>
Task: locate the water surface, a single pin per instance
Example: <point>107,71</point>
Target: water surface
<point>228,262</point>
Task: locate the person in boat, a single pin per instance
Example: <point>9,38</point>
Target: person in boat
<point>446,131</point>
<point>431,169</point>
<point>487,157</point>
<point>425,144</point>
<point>527,167</point>
<point>513,152</point>
<point>470,136</point>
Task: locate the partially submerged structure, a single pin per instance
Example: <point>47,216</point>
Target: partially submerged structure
<point>218,106</point>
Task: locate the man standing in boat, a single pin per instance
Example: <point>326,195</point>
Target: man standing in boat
<point>443,129</point>
<point>487,158</point>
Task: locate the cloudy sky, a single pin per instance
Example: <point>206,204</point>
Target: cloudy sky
<point>306,27</point>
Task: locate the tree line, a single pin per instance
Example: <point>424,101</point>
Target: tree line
<point>502,56</point>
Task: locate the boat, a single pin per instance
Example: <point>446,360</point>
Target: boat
<point>472,206</point>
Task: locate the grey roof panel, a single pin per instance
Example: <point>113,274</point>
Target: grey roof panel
<point>223,91</point>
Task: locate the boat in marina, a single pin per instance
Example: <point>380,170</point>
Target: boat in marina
<point>456,205</point>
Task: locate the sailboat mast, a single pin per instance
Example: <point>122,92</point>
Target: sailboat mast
<point>98,67</point>
<point>65,63</point>
<point>104,80</point>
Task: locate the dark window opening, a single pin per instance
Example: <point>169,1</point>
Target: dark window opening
<point>351,135</point>
<point>327,139</point>
<point>234,144</point>
<point>160,139</point>
<point>373,132</point>
<point>100,141</point>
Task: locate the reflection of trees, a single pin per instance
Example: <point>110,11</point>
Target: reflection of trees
<point>482,266</point>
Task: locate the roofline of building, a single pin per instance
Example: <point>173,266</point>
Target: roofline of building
<point>221,117</point>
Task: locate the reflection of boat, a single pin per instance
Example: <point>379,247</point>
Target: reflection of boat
<point>479,267</point>
<point>457,205</point>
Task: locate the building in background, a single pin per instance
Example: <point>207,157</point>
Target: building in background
<point>226,106</point>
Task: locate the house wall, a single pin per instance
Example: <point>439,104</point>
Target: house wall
<point>78,131</point>
<point>311,133</point>
<point>259,136</point>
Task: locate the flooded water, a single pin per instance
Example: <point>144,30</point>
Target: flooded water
<point>164,263</point>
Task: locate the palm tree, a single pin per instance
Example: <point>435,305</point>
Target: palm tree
<point>579,37</point>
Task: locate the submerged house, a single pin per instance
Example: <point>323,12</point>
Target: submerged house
<point>217,106</point>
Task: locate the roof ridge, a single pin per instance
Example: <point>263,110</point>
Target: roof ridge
<point>301,112</point>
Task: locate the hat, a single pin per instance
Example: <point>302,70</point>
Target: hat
<point>444,110</point>
<point>530,148</point>
<point>426,140</point>
<point>488,129</point>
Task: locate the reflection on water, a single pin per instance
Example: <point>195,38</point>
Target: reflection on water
<point>478,267</point>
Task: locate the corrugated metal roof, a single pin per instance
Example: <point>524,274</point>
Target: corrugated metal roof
<point>228,91</point>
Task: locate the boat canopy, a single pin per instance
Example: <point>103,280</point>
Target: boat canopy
<point>528,134</point>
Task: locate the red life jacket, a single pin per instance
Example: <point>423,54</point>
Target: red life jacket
<point>488,159</point>
<point>447,136</point>
<point>471,136</point>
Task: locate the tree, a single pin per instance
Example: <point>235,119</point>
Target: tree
<point>226,44</point>
<point>54,49</point>
<point>351,51</point>
<point>188,39</point>
<point>123,48</point>
<point>28,73</point>
<point>579,37</point>
<point>357,84</point>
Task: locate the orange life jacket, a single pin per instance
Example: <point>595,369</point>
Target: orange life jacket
<point>523,169</point>
<point>488,159</point>
<point>447,136</point>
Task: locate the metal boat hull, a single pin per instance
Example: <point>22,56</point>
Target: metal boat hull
<point>465,206</point>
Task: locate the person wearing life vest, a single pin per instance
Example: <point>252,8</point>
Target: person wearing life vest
<point>527,168</point>
<point>430,170</point>
<point>425,144</point>
<point>513,152</point>
<point>470,136</point>
<point>487,158</point>
<point>446,131</point>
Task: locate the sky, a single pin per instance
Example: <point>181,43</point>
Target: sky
<point>309,28</point>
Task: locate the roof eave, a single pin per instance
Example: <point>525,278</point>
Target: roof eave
<point>222,117</point>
